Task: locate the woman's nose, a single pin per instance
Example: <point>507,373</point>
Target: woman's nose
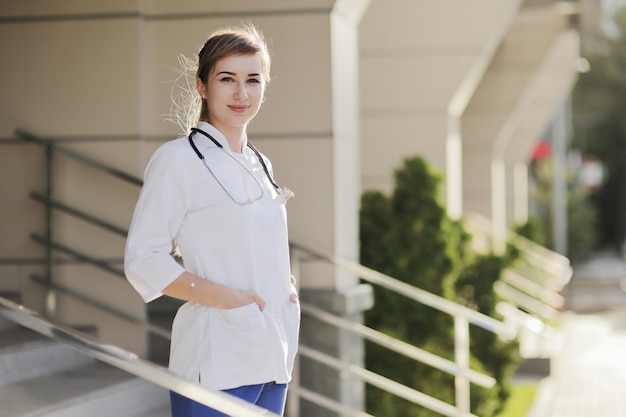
<point>241,91</point>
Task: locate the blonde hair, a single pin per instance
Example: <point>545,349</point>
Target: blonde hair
<point>187,106</point>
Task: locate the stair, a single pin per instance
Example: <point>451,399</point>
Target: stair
<point>42,377</point>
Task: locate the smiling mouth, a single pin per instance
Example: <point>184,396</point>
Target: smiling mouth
<point>239,109</point>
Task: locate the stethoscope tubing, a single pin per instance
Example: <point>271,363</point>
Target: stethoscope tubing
<point>219,145</point>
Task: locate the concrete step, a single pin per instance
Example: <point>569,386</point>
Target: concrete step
<point>25,355</point>
<point>162,411</point>
<point>95,390</point>
<point>42,377</point>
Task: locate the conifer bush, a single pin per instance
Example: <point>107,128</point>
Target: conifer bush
<point>408,236</point>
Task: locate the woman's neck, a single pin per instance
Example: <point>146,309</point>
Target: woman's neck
<point>236,142</point>
<point>235,136</point>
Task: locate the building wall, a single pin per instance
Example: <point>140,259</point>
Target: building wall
<point>99,77</point>
<point>410,72</point>
<point>516,59</point>
<point>530,76</point>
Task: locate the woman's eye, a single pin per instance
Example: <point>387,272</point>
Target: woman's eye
<point>254,81</point>
<point>227,79</point>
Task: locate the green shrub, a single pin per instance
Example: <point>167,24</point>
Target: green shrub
<point>409,237</point>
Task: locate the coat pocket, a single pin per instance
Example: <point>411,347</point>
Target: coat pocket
<point>239,338</point>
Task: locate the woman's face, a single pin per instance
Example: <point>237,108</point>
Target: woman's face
<point>234,91</point>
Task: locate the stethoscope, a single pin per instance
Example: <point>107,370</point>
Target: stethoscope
<point>284,193</point>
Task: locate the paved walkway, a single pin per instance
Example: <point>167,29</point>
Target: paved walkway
<point>588,368</point>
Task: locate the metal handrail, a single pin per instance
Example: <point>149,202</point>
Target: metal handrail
<point>462,316</point>
<point>327,403</point>
<point>92,302</point>
<point>78,255</point>
<point>424,297</point>
<point>548,295</point>
<point>130,362</point>
<point>81,158</point>
<point>399,346</point>
<point>534,283</point>
<point>386,384</point>
<point>535,254</point>
<point>78,214</point>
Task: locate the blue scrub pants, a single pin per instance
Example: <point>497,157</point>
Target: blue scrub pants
<point>271,396</point>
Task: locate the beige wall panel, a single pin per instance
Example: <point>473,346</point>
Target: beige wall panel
<point>481,125</point>
<point>107,289</point>
<point>101,286</point>
<point>17,278</point>
<point>76,79</point>
<point>162,43</point>
<point>299,96</point>
<point>21,171</point>
<point>110,329</point>
<point>13,84</point>
<point>310,212</point>
<point>317,274</point>
<point>527,40</point>
<point>480,204</point>
<point>87,238</point>
<point>502,87</point>
<point>129,155</point>
<point>400,82</point>
<point>392,139</point>
<point>477,182</point>
<point>431,24</point>
<point>95,192</point>
<point>477,165</point>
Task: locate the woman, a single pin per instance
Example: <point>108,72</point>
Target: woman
<point>212,193</point>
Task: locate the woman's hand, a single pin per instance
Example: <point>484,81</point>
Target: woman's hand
<point>293,291</point>
<point>231,298</point>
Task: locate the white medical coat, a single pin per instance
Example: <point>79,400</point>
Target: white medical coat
<point>244,246</point>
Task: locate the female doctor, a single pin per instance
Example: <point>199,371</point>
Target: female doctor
<point>212,193</point>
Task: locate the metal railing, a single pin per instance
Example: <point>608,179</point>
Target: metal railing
<point>112,266</point>
<point>129,362</point>
<point>530,289</point>
<point>463,317</point>
<point>533,284</point>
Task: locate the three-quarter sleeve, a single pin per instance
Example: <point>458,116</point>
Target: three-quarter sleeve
<point>160,210</point>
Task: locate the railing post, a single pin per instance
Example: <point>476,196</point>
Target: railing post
<point>462,359</point>
<point>51,299</point>
<point>292,408</point>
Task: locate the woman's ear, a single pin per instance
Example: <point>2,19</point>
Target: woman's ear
<point>201,88</point>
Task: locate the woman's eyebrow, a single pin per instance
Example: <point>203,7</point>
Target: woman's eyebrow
<point>254,74</point>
